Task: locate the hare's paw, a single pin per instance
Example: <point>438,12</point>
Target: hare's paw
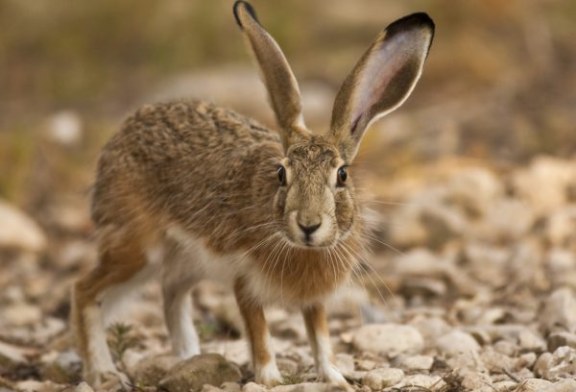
<point>109,380</point>
<point>330,374</point>
<point>269,375</point>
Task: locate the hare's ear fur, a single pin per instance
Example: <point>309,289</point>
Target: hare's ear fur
<point>280,82</point>
<point>381,80</point>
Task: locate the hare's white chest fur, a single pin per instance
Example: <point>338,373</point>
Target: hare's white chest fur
<point>189,256</point>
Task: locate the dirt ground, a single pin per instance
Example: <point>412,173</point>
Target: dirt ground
<point>471,280</point>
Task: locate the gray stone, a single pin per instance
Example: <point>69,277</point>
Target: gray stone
<point>457,342</point>
<point>193,373</point>
<point>382,377</point>
<point>388,339</point>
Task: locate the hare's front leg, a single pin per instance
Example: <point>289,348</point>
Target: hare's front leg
<point>265,369</point>
<point>317,328</point>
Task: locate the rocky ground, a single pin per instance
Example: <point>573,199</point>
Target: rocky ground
<point>471,287</point>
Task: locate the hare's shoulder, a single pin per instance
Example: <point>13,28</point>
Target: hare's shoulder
<point>193,121</point>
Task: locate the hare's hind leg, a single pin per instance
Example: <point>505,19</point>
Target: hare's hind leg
<point>120,268</point>
<point>178,278</point>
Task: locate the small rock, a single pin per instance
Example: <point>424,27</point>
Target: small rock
<point>253,387</point>
<point>430,327</point>
<point>193,373</point>
<point>457,342</point>
<point>533,385</point>
<point>83,387</point>
<point>529,341</point>
<point>151,370</point>
<point>559,312</point>
<point>423,381</point>
<point>11,354</point>
<point>473,379</point>
<point>65,128</point>
<point>495,362</point>
<point>378,379</point>
<point>18,231</point>
<point>388,339</point>
<point>416,362</point>
<point>231,387</point>
<point>525,361</point>
<point>560,364</point>
<point>22,314</point>
<point>559,339</point>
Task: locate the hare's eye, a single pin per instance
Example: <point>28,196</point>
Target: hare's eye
<point>281,175</point>
<point>342,176</point>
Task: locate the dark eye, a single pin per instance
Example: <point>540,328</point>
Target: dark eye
<point>281,175</point>
<point>342,176</point>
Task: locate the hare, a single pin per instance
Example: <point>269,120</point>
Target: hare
<point>188,191</point>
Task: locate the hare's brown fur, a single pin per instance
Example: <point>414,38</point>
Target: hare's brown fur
<point>187,190</point>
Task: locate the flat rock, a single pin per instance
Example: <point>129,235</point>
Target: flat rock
<point>383,377</point>
<point>457,342</point>
<point>253,387</point>
<point>193,373</point>
<point>388,339</point>
<point>416,362</point>
<point>422,381</point>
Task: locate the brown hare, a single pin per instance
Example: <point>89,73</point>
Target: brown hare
<point>188,190</point>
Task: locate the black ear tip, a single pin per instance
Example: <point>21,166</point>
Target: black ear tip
<point>248,7</point>
<point>416,20</point>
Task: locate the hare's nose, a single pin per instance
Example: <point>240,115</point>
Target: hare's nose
<point>308,230</point>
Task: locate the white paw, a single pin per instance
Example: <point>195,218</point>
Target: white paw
<point>269,375</point>
<point>330,374</point>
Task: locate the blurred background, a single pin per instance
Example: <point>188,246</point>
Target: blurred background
<point>500,83</point>
<point>476,168</point>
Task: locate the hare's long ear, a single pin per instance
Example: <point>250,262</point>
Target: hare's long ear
<point>381,80</point>
<point>280,82</point>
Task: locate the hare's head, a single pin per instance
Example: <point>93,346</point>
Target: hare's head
<point>315,200</point>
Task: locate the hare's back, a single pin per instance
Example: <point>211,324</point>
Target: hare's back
<point>170,156</point>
